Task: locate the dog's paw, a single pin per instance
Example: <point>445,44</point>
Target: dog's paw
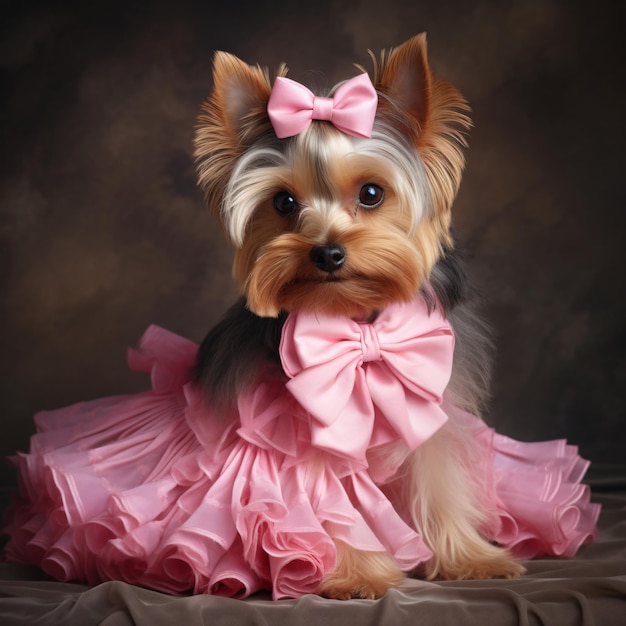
<point>359,574</point>
<point>482,570</point>
<point>350,589</point>
<point>500,565</point>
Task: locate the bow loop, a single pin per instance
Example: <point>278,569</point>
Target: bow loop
<point>292,107</point>
<point>369,384</point>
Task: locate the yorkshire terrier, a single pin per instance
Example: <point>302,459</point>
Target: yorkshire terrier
<point>325,436</point>
<point>333,222</point>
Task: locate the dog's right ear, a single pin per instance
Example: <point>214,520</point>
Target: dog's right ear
<point>233,116</point>
<point>240,91</point>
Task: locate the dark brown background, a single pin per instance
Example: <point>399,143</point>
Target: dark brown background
<point>103,231</point>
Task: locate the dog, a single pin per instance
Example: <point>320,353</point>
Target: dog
<point>326,435</point>
<point>333,223</point>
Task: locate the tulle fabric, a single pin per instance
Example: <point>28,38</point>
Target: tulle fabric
<point>157,490</point>
<point>536,503</point>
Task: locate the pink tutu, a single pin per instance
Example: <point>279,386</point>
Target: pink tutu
<point>157,490</point>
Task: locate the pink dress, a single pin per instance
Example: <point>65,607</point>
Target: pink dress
<point>157,489</point>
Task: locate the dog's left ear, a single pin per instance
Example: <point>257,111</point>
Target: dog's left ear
<point>404,75</point>
<point>433,115</point>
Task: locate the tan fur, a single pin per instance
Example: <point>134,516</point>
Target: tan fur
<point>443,503</point>
<point>284,278</point>
<point>276,272</point>
<point>360,575</point>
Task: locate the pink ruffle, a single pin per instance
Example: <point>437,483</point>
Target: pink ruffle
<point>543,508</point>
<point>539,506</point>
<point>156,490</point>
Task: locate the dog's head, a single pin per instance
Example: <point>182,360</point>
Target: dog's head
<point>325,220</point>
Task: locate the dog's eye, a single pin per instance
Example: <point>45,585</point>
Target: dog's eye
<point>285,204</point>
<point>371,195</point>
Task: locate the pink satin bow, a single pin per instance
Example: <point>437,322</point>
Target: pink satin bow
<point>369,384</point>
<point>352,109</point>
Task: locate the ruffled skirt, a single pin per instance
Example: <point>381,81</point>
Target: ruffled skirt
<point>157,490</point>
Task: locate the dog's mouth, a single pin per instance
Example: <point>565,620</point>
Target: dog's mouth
<point>332,278</point>
<point>320,280</point>
<point>352,294</point>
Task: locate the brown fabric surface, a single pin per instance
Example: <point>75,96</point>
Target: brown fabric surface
<point>588,590</point>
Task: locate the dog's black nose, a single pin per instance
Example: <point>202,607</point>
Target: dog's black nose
<point>328,258</point>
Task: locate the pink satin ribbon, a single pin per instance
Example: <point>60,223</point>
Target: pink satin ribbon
<point>352,109</point>
<point>368,384</point>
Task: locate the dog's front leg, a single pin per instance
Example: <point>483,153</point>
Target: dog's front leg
<point>442,498</point>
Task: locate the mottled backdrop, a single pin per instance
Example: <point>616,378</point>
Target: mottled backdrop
<point>103,231</point>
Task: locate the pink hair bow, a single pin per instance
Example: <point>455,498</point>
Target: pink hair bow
<point>352,109</point>
<point>368,384</point>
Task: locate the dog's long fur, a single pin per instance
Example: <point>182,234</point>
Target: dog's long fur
<point>403,246</point>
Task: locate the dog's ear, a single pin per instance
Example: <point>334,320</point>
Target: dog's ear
<point>404,75</point>
<point>233,116</point>
<point>240,91</point>
<point>434,116</point>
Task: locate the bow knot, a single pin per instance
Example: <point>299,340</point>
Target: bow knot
<point>369,384</point>
<point>292,107</point>
<point>322,109</point>
<point>370,346</point>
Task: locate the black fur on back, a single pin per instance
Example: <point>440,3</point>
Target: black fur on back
<point>234,351</point>
<point>469,386</point>
<point>448,281</point>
